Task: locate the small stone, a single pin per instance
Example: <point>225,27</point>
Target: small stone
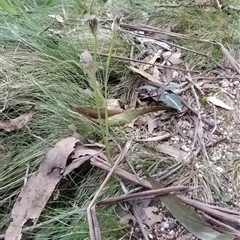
<point>230,84</point>
<point>225,83</point>
<point>219,169</point>
<point>185,148</point>
<point>236,83</point>
<point>165,225</point>
<point>150,235</point>
<point>217,155</point>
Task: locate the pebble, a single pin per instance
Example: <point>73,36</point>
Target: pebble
<point>217,155</point>
<point>236,83</point>
<point>185,148</point>
<point>219,169</point>
<point>225,83</point>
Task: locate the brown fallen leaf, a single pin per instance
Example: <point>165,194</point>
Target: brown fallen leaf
<point>83,153</point>
<point>115,106</point>
<point>38,189</point>
<point>146,75</point>
<point>149,59</point>
<point>17,123</point>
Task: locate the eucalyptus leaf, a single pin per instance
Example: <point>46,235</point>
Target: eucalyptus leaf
<point>171,100</point>
<point>188,218</point>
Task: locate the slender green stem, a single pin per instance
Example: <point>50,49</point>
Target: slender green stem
<point>106,139</point>
<point>97,94</point>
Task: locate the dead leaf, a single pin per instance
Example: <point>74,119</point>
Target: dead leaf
<point>83,153</point>
<point>39,188</point>
<point>152,216</point>
<point>233,62</point>
<point>87,150</point>
<point>149,59</point>
<point>92,112</point>
<point>174,58</point>
<point>219,103</point>
<point>145,74</point>
<point>57,17</point>
<point>17,123</point>
<point>156,72</point>
<point>171,151</point>
<point>152,123</point>
<point>160,137</point>
<point>188,218</point>
<point>87,61</point>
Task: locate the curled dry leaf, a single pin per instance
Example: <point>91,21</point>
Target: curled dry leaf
<point>17,123</point>
<point>114,107</point>
<point>145,74</point>
<point>39,187</point>
<point>83,153</point>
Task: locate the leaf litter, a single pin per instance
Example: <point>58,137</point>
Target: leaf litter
<point>152,73</point>
<point>19,122</point>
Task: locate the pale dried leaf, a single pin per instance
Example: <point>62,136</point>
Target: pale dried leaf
<point>153,41</point>
<point>149,59</point>
<point>57,17</point>
<point>152,124</point>
<point>145,74</point>
<point>17,123</point>
<point>174,58</point>
<point>83,150</point>
<point>151,216</point>
<point>76,163</point>
<point>38,189</point>
<point>171,151</point>
<point>87,61</point>
<point>155,72</point>
<point>233,62</point>
<point>219,103</point>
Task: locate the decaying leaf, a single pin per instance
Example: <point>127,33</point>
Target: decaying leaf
<point>17,123</point>
<point>174,58</point>
<point>152,216</point>
<point>38,189</point>
<point>188,218</point>
<point>149,59</point>
<point>87,61</point>
<point>219,103</point>
<point>233,62</point>
<point>114,107</point>
<point>171,151</point>
<point>83,153</point>
<point>145,74</point>
<point>57,17</point>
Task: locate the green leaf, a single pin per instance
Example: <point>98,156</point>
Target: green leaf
<point>129,115</point>
<point>188,218</point>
